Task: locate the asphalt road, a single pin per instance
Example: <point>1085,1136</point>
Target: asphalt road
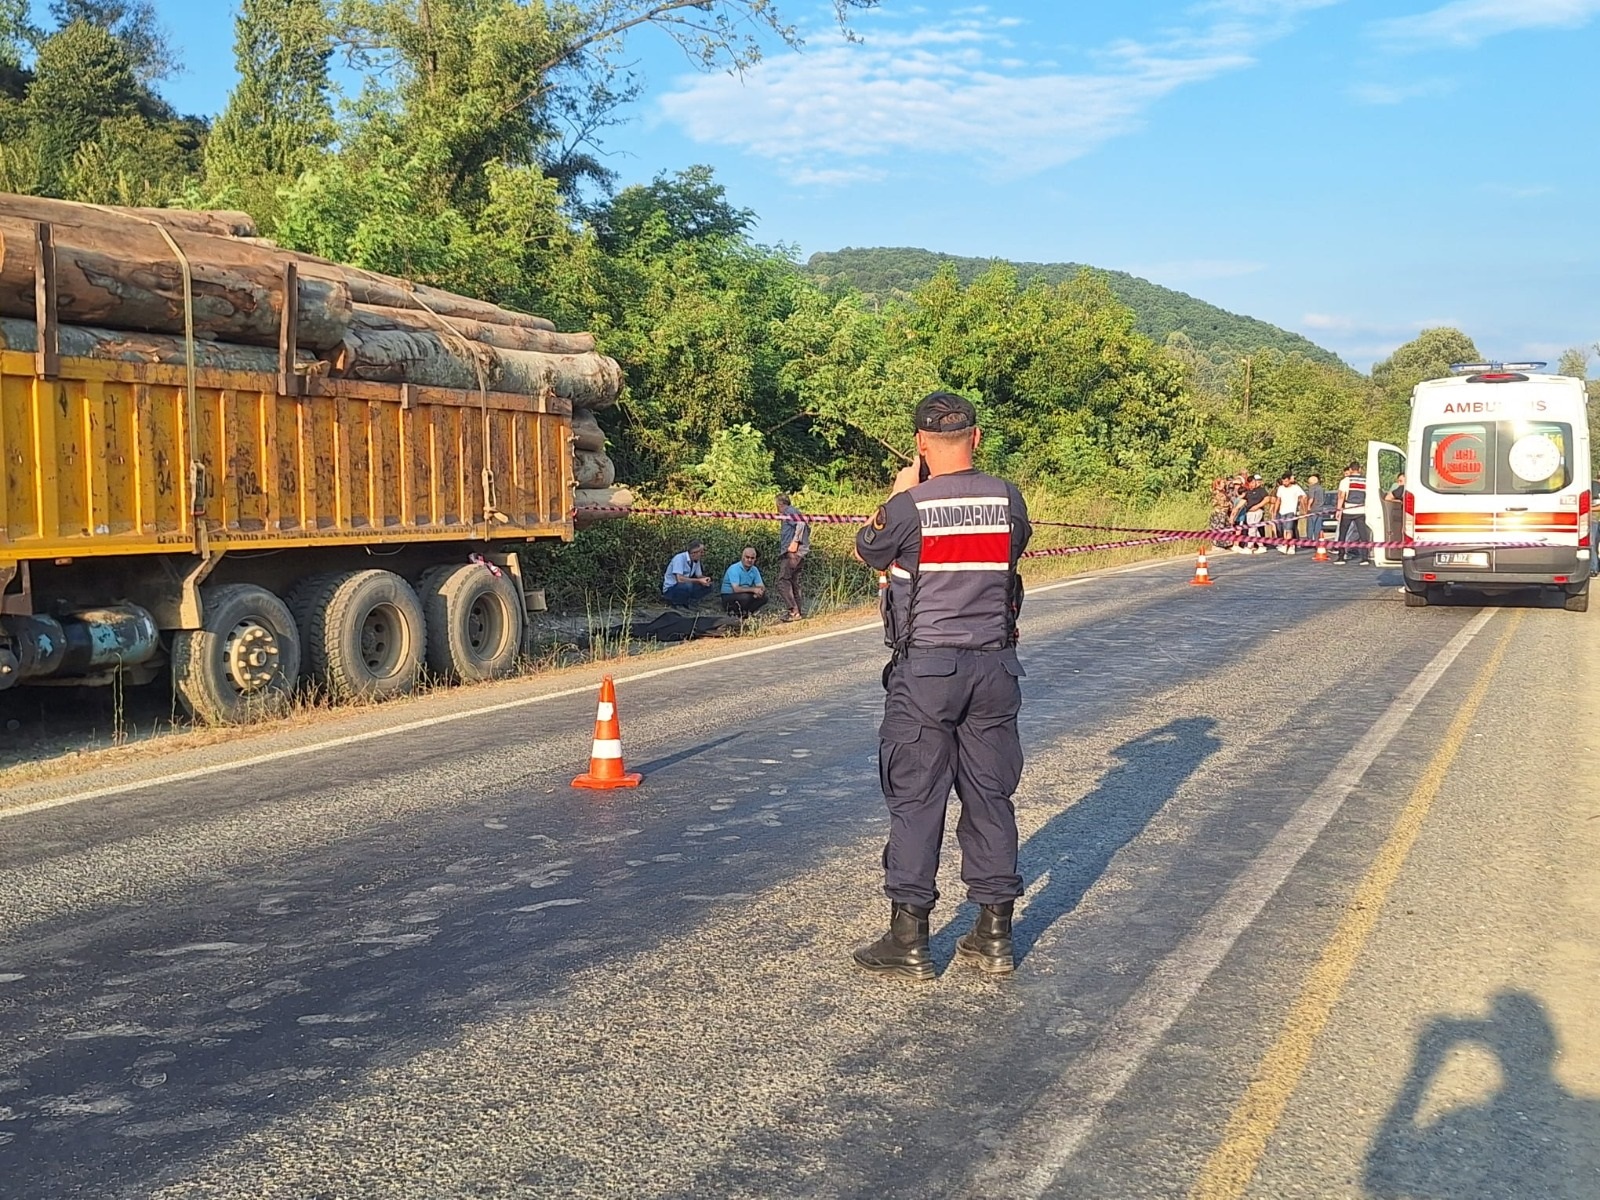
<point>1313,910</point>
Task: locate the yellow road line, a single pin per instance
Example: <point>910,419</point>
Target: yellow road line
<point>1233,1164</point>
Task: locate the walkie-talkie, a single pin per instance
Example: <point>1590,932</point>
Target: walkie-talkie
<point>922,469</point>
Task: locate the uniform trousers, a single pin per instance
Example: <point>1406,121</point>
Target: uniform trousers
<point>950,719</point>
<point>1353,528</point>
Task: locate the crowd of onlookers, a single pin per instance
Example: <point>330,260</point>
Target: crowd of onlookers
<point>1247,511</point>
<point>687,581</point>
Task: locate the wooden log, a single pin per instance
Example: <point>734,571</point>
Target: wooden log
<point>117,345</point>
<point>603,504</point>
<point>367,287</point>
<point>384,291</point>
<point>128,278</point>
<point>593,469</point>
<point>440,360</point>
<point>217,222</point>
<point>586,431</point>
<point>504,337</point>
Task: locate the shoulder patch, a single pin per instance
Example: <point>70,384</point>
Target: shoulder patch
<point>879,519</point>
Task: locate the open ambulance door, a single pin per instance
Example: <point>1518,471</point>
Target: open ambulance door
<point>1385,518</point>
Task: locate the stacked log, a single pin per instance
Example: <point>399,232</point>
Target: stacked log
<point>123,275</point>
<point>442,358</point>
<point>374,318</point>
<point>586,431</point>
<point>121,295</point>
<point>120,345</point>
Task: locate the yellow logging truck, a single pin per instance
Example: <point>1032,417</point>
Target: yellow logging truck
<point>244,529</point>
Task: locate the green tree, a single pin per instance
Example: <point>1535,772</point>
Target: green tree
<point>1575,365</point>
<point>17,34</point>
<point>135,26</point>
<point>1428,356</point>
<point>83,77</point>
<point>279,119</point>
<point>846,377</point>
<point>690,206</point>
<point>737,467</point>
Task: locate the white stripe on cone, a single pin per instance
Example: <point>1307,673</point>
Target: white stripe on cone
<point>607,712</point>
<point>607,748</point>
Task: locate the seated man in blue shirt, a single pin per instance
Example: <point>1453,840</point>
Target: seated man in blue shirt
<point>744,592</point>
<point>686,582</point>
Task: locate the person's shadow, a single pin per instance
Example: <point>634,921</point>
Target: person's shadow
<point>1076,846</point>
<point>1532,1140</point>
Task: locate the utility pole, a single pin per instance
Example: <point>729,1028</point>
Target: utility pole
<point>1248,365</point>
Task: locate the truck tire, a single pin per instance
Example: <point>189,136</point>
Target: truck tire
<point>1578,602</point>
<point>242,662</point>
<point>364,633</point>
<point>475,622</point>
<point>1416,599</point>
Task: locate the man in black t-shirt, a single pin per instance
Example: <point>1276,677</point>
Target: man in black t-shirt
<point>1255,515</point>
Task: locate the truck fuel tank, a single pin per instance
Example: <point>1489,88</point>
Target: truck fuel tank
<point>85,644</point>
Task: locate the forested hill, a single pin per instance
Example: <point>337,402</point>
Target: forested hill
<point>883,271</point>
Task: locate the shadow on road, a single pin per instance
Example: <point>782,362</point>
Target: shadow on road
<point>1531,1138</point>
<point>1075,848</point>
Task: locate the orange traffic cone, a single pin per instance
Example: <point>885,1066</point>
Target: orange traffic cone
<point>1202,574</point>
<point>1322,551</point>
<point>605,760</point>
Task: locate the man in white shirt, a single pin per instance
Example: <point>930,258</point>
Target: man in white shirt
<point>686,582</point>
<point>1291,504</point>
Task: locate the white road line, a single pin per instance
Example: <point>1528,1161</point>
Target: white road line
<point>1058,1123</point>
<point>256,760</point>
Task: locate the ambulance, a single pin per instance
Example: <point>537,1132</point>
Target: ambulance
<point>1498,489</point>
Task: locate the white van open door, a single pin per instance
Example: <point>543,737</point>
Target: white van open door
<point>1386,519</point>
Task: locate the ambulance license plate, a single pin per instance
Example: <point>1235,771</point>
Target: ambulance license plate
<point>1461,560</point>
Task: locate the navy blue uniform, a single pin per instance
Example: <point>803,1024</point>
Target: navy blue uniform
<point>950,546</point>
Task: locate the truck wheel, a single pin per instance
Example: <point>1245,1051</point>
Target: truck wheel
<point>1579,602</point>
<point>364,633</point>
<point>243,660</point>
<point>1416,599</point>
<point>474,622</point>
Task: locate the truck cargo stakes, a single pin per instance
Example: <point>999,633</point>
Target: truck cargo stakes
<point>246,466</point>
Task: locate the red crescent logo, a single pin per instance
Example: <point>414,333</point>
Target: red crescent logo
<point>1444,472</point>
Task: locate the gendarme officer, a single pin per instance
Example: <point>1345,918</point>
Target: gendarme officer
<point>949,538</point>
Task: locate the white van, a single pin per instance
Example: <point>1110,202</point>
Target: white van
<point>1498,455</point>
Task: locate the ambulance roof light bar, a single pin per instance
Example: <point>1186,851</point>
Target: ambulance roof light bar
<point>1486,368</point>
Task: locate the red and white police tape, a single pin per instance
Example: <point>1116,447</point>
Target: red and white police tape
<point>1223,538</point>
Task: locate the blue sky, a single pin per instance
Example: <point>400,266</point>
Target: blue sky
<point>1354,170</point>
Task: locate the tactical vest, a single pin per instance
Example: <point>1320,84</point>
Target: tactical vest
<point>960,588</point>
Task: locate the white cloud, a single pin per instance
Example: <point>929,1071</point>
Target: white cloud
<point>959,89</point>
<point>1466,23</point>
<point>1383,93</point>
<point>835,176</point>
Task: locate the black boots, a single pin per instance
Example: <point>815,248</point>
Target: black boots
<point>988,946</point>
<point>904,949</point>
